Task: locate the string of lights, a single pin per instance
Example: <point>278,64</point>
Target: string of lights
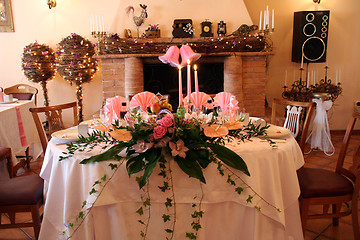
<point>38,64</point>
<point>75,63</point>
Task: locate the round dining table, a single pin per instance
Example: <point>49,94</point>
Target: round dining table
<point>227,215</point>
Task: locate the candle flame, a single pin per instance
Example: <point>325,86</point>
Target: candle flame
<point>195,67</point>
<point>179,67</point>
<point>188,61</point>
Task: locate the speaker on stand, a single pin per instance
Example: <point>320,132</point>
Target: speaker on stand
<point>310,34</point>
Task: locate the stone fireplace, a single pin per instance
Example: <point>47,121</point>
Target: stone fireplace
<point>244,76</point>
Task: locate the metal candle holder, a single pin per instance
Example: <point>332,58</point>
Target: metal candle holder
<point>300,91</point>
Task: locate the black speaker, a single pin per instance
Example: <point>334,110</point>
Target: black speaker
<point>310,34</point>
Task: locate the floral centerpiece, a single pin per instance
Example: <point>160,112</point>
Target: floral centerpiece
<point>193,140</point>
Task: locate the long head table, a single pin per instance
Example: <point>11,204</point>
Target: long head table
<point>227,215</point>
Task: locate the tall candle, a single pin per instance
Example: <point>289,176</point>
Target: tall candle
<point>196,79</point>
<point>102,23</point>
<point>302,60</point>
<point>285,77</point>
<point>180,86</point>
<point>188,79</point>
<point>267,17</point>
<point>264,27</point>
<point>260,21</point>
<point>308,79</point>
<point>97,23</point>
<point>273,19</point>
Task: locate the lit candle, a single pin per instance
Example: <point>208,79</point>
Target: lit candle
<point>273,19</point>
<point>260,21</point>
<point>188,79</point>
<point>180,86</point>
<point>285,77</point>
<point>196,79</point>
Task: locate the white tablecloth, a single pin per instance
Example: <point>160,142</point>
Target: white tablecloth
<point>227,215</point>
<point>9,129</point>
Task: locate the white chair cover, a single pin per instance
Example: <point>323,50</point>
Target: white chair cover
<point>319,135</point>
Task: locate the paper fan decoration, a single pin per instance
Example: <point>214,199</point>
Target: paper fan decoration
<point>199,99</point>
<point>225,101</point>
<point>143,100</point>
<point>113,107</point>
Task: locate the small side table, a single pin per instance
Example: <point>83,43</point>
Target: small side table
<point>319,136</point>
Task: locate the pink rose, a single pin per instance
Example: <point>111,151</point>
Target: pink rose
<point>166,121</point>
<point>159,131</point>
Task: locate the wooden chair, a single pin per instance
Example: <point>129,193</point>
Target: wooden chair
<point>325,187</point>
<point>22,92</point>
<point>20,194</point>
<point>53,118</point>
<point>293,117</point>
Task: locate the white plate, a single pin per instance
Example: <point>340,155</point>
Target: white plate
<point>257,121</point>
<point>66,135</point>
<point>14,100</point>
<point>277,132</point>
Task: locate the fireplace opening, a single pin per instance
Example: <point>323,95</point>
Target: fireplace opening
<point>164,79</point>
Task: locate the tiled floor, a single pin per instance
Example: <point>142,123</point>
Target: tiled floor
<point>321,229</point>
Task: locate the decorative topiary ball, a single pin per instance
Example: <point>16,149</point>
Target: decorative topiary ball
<point>38,62</point>
<point>75,59</point>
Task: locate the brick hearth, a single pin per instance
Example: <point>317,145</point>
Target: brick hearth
<point>244,76</point>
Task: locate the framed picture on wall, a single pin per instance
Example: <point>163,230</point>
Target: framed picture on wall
<point>6,19</point>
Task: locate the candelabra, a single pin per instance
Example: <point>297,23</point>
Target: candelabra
<point>302,91</point>
<point>99,35</point>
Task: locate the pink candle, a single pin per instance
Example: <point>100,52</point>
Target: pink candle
<point>180,86</point>
<point>196,79</point>
<point>188,79</point>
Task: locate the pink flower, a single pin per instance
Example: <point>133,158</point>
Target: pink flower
<point>166,121</point>
<point>159,131</point>
<point>178,148</point>
<point>142,146</point>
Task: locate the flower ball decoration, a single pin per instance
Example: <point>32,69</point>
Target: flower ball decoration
<point>76,64</point>
<point>38,64</point>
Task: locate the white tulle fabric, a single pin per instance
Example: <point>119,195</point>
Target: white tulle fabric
<point>319,136</point>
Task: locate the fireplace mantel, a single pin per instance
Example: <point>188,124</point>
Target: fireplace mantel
<point>244,75</point>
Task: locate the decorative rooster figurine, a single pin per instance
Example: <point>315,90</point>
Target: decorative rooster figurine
<point>138,20</point>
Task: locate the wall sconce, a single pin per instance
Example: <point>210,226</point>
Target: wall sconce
<point>317,1</point>
<point>51,3</point>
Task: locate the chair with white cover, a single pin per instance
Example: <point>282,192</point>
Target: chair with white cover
<point>294,116</point>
